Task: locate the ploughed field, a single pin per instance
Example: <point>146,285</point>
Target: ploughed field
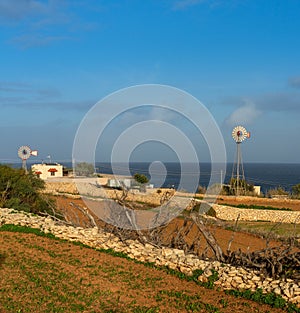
<point>40,274</point>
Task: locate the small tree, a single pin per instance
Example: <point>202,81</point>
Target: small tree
<point>277,192</point>
<point>141,178</point>
<point>296,191</point>
<point>21,191</point>
<point>241,186</point>
<point>84,169</point>
<point>201,189</point>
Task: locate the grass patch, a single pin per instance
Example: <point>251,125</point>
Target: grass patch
<point>198,197</point>
<point>274,230</point>
<point>256,207</point>
<point>26,230</point>
<point>271,299</point>
<point>182,300</point>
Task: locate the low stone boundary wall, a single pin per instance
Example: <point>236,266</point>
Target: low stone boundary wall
<point>91,189</point>
<point>61,187</point>
<point>231,214</point>
<point>230,277</point>
<point>223,212</point>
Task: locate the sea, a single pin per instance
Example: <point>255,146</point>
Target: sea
<point>266,175</point>
<point>187,176</point>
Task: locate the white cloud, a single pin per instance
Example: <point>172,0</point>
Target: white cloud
<point>34,22</point>
<point>280,102</point>
<point>33,40</point>
<point>283,101</point>
<point>18,9</point>
<point>12,88</point>
<point>28,96</point>
<point>244,115</point>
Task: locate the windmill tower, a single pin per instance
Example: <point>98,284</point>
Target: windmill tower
<point>24,154</point>
<point>239,134</point>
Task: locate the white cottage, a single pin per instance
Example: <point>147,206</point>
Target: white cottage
<point>47,170</point>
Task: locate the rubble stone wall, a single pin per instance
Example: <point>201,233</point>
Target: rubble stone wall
<point>153,197</point>
<point>230,277</point>
<point>276,216</point>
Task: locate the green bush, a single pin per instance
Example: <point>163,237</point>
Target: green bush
<point>277,192</point>
<point>21,191</point>
<point>241,186</point>
<point>205,208</point>
<point>268,298</point>
<point>141,178</point>
<point>256,207</point>
<point>201,189</point>
<point>211,212</point>
<point>296,191</point>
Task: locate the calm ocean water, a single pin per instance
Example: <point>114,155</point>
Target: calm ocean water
<point>268,176</point>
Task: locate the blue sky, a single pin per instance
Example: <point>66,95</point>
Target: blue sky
<point>240,58</point>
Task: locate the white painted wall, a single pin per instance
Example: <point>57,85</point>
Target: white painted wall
<point>45,170</point>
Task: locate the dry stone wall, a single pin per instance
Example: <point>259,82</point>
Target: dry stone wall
<point>276,216</point>
<point>61,188</point>
<point>93,190</point>
<point>152,197</point>
<point>230,277</point>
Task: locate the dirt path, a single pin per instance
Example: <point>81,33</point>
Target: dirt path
<point>39,274</point>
